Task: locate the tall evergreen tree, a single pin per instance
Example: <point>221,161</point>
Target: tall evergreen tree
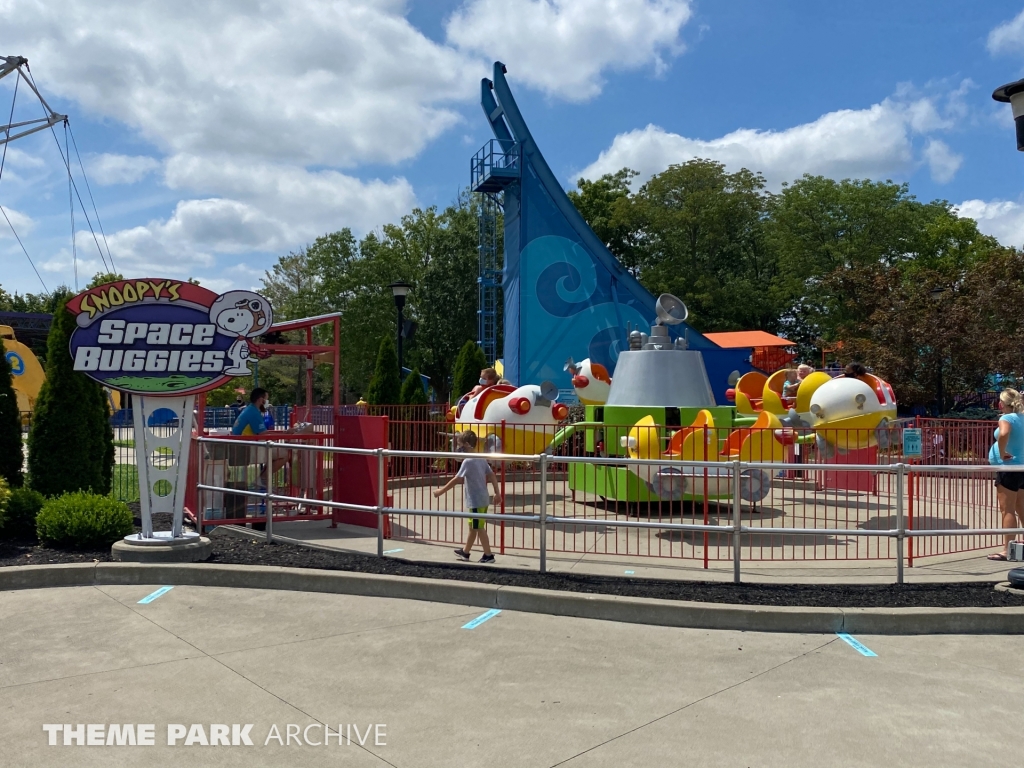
<point>385,386</point>
<point>468,364</point>
<point>412,389</point>
<point>67,448</point>
<point>11,455</point>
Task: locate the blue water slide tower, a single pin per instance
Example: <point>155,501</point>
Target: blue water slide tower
<point>564,292</point>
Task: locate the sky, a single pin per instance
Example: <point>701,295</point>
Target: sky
<point>219,135</point>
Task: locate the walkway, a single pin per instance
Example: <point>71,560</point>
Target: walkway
<point>519,690</point>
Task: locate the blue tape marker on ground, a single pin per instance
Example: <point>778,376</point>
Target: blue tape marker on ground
<point>630,571</point>
<point>155,595</point>
<point>392,551</point>
<point>481,619</point>
<point>854,643</point>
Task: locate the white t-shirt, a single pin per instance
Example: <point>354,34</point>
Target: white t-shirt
<point>474,475</point>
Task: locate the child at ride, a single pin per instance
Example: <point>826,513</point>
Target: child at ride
<point>488,378</point>
<point>791,383</point>
<point>1008,450</point>
<point>474,475</point>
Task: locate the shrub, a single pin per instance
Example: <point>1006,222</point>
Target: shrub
<point>5,496</point>
<point>412,389</point>
<point>11,454</point>
<point>385,385</point>
<point>22,508</point>
<point>468,364</point>
<point>70,446</point>
<point>82,520</point>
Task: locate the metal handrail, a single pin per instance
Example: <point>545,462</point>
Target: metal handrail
<point>736,528</point>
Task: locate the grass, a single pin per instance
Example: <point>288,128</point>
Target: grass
<point>124,443</point>
<point>126,483</point>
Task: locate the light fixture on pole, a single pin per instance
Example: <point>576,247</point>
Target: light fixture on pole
<point>400,289</point>
<point>1013,94</point>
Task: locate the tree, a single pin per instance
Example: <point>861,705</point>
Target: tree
<point>102,278</point>
<point>68,445</point>
<point>468,365</point>
<point>11,454</point>
<point>820,226</point>
<point>929,331</point>
<point>703,235</point>
<point>412,392</point>
<point>385,386</point>
<point>446,295</point>
<point>605,205</point>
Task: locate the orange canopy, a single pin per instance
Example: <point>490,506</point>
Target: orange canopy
<point>740,339</point>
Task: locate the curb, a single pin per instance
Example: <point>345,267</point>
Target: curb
<point>633,610</point>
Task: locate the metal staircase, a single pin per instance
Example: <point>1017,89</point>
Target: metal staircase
<point>492,170</point>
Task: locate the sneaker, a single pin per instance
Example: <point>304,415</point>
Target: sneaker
<point>462,554</point>
<point>487,559</point>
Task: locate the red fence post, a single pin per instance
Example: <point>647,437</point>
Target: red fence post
<point>502,523</point>
<point>705,457</point>
<point>910,517</point>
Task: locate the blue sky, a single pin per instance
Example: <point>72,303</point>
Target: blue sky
<point>220,135</point>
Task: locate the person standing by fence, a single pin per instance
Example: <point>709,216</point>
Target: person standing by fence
<point>1008,450</point>
<point>474,474</point>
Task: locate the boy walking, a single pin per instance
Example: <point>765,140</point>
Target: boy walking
<point>474,474</point>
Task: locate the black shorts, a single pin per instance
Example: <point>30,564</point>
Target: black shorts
<point>1011,481</point>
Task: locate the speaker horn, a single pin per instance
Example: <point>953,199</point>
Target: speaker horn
<point>671,310</point>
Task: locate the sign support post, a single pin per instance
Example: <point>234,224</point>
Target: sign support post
<point>165,341</point>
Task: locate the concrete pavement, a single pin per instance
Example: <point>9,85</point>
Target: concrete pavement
<point>518,690</point>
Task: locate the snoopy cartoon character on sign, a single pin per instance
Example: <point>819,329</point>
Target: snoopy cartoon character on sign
<point>243,315</point>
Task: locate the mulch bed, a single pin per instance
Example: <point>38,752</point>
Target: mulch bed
<point>236,550</point>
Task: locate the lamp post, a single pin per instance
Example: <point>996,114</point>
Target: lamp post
<point>1013,94</point>
<point>936,294</point>
<point>400,290</point>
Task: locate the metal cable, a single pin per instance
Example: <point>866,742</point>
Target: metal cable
<point>3,160</point>
<point>91,199</point>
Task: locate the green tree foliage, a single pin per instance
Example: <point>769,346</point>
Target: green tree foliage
<point>435,251</point>
<point>385,386</point>
<point>412,392</point>
<point>102,278</point>
<point>22,509</point>
<point>468,365</point>
<point>929,330</point>
<point>83,520</point>
<point>11,455</point>
<point>605,204</point>
<point>70,443</point>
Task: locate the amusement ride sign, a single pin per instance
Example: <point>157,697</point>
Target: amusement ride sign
<point>165,337</point>
<point>164,341</point>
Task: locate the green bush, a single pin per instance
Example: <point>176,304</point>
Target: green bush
<point>5,497</point>
<point>385,386</point>
<point>82,520</point>
<point>22,508</point>
<point>70,445</point>
<point>412,389</point>
<point>468,364</point>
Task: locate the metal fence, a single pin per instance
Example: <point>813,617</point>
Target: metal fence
<point>535,515</point>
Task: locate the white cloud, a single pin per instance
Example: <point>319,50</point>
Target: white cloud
<point>252,108</point>
<point>23,223</point>
<point>264,208</point>
<point>876,142</point>
<point>1002,219</point>
<point>562,47</point>
<point>339,83</point>
<point>942,161</point>
<point>1008,37</point>
<point>107,169</point>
